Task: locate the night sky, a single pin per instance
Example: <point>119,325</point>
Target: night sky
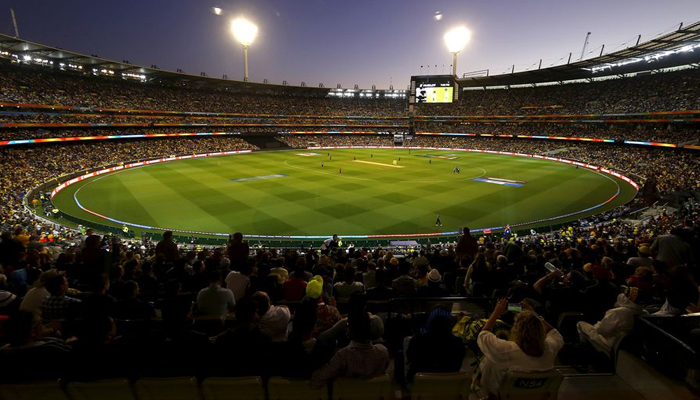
<point>343,41</point>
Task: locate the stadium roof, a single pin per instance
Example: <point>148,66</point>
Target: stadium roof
<point>36,53</point>
<point>681,47</point>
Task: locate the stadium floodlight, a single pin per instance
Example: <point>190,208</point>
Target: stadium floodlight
<point>245,32</point>
<point>456,39</point>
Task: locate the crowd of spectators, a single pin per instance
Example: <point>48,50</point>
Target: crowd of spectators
<point>68,89</point>
<point>648,132</point>
<point>302,141</point>
<point>672,91</point>
<point>304,313</point>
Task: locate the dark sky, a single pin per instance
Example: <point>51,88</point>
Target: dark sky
<point>343,41</point>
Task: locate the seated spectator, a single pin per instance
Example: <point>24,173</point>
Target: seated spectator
<point>175,306</point>
<point>369,277</point>
<point>533,346</point>
<point>295,286</point>
<point>360,359</point>
<point>302,353</point>
<point>131,307</point>
<point>435,348</point>
<point>9,303</point>
<point>616,323</point>
<point>643,258</point>
<point>98,353</point>
<point>58,305</point>
<point>404,285</point>
<point>272,319</point>
<point>381,291</point>
<point>434,286</point>
<point>98,302</point>
<point>27,346</point>
<point>243,349</point>
<point>326,315</point>
<point>215,301</point>
<point>35,296</point>
<point>338,333</point>
<point>343,290</point>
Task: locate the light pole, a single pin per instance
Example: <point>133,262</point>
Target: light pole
<point>244,31</point>
<point>456,39</point>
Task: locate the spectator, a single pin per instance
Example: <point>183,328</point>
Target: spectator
<point>215,301</point>
<point>272,319</point>
<point>533,346</point>
<point>58,305</point>
<point>168,248</point>
<point>359,359</point>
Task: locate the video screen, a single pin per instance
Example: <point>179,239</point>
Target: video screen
<point>434,89</point>
<point>434,94</point>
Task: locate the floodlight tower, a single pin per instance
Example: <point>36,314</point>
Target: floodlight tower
<point>456,39</point>
<point>245,32</point>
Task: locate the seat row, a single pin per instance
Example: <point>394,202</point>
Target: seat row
<point>427,387</point>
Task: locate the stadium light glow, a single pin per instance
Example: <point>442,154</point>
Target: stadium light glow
<point>245,32</point>
<point>456,39</point>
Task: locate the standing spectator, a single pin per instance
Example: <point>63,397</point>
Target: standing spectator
<point>167,247</point>
<point>238,281</point>
<point>467,246</point>
<point>238,251</point>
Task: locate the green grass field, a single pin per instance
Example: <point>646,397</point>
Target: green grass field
<point>285,193</point>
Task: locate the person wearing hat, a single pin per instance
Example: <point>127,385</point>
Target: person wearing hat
<point>643,258</point>
<point>326,315</point>
<point>8,303</point>
<point>36,295</point>
<point>435,287</point>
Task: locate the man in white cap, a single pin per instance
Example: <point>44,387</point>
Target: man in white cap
<point>435,287</point>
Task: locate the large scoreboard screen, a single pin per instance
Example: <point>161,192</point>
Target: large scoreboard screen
<point>433,88</point>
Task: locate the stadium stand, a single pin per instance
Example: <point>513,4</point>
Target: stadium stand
<point>575,273</point>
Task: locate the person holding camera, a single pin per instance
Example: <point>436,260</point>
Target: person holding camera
<point>533,346</point>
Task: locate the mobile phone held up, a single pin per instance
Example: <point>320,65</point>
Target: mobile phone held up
<point>515,307</point>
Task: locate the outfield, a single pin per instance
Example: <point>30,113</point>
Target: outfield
<point>355,192</point>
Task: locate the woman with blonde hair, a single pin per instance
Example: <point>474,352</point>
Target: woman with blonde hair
<point>533,346</point>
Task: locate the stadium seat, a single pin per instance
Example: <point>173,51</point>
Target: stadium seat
<point>108,389</point>
<point>441,386</point>
<point>49,390</point>
<point>279,388</point>
<point>519,385</point>
<point>239,388</point>
<point>566,324</point>
<point>176,388</point>
<point>378,388</point>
